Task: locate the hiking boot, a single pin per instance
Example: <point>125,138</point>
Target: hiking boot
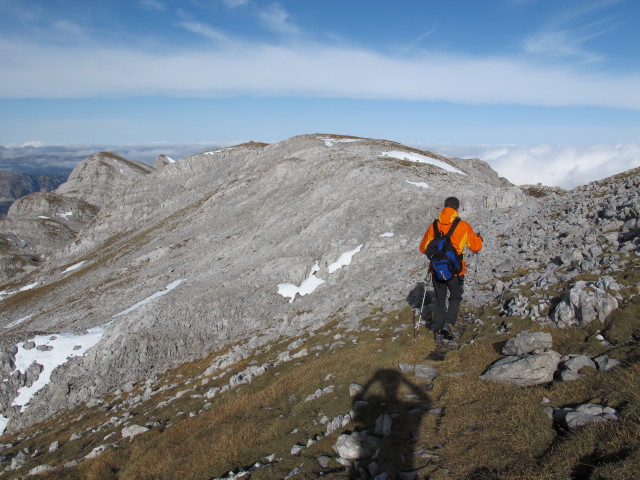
<point>447,332</point>
<point>438,337</point>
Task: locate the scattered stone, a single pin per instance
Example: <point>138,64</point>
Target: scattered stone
<point>97,451</point>
<point>578,362</point>
<point>356,445</point>
<point>605,363</point>
<point>425,372</point>
<point>41,469</point>
<point>133,430</point>
<point>575,418</point>
<point>383,425</point>
<point>355,389</point>
<point>526,343</point>
<point>406,368</point>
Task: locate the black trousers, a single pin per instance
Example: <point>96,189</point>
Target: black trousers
<point>443,314</point>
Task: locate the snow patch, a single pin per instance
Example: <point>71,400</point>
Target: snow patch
<point>213,152</point>
<point>167,289</point>
<point>6,293</point>
<point>59,349</point>
<point>28,287</point>
<point>307,286</point>
<point>419,184</point>
<point>74,267</point>
<point>329,141</point>
<point>289,290</point>
<point>345,259</point>
<point>416,157</point>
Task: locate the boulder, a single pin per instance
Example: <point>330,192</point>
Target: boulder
<point>532,369</point>
<point>356,445</point>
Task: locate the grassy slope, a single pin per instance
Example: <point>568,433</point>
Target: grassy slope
<point>484,430</point>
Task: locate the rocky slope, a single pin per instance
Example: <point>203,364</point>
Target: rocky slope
<point>16,185</point>
<point>259,241</point>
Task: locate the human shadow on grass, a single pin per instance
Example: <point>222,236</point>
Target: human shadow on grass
<point>388,413</point>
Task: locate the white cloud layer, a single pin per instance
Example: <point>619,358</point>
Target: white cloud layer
<point>302,70</point>
<point>562,166</point>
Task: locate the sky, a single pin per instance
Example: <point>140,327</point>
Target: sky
<point>523,84</point>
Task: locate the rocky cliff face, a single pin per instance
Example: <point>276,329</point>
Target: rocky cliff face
<point>259,241</point>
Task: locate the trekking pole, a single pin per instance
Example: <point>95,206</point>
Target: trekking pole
<point>416,325</point>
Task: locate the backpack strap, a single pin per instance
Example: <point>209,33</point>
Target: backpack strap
<point>436,230</point>
<point>453,227</point>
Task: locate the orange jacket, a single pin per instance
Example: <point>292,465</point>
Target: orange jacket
<point>463,235</point>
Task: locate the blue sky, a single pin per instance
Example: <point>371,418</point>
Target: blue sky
<point>421,72</point>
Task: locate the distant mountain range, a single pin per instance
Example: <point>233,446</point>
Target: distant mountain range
<point>25,169</point>
<point>16,185</point>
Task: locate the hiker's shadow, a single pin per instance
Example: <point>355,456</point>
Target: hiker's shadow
<point>388,412</point>
<point>420,298</point>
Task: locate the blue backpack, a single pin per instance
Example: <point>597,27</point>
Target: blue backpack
<point>445,261</point>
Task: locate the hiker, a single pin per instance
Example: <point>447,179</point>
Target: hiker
<point>461,236</point>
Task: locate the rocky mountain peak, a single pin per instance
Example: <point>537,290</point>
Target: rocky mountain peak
<point>101,176</point>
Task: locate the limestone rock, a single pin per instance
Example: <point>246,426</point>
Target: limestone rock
<point>584,303</point>
<point>133,430</point>
<point>531,369</point>
<point>356,445</point>
<point>525,343</point>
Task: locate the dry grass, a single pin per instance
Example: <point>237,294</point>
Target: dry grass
<point>484,430</point>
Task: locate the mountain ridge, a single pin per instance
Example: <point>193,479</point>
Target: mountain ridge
<point>216,233</point>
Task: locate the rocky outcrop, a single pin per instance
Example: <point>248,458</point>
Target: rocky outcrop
<point>103,176</point>
<point>529,361</point>
<point>585,302</point>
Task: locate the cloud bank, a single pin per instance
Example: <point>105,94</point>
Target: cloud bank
<point>302,70</point>
<point>561,166</point>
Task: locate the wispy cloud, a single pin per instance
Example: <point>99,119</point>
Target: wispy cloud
<point>277,19</point>
<point>152,5</point>
<point>569,33</point>
<point>204,30</point>
<point>417,41</point>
